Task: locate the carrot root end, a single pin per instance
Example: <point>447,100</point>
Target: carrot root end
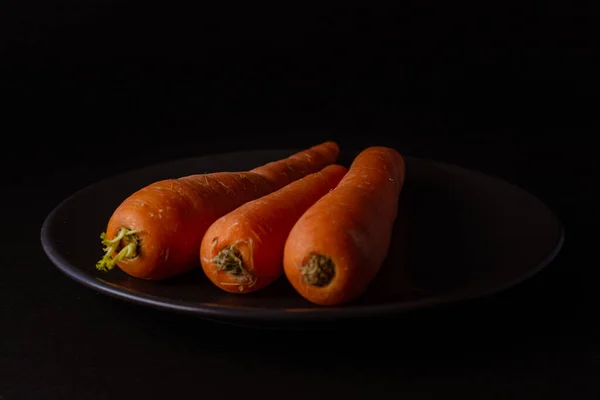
<point>318,270</point>
<point>125,244</point>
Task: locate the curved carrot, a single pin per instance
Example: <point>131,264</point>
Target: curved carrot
<point>337,247</point>
<point>243,251</point>
<point>156,232</point>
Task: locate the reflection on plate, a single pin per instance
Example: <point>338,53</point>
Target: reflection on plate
<point>459,235</point>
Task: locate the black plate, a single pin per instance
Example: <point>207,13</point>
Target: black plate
<point>459,235</point>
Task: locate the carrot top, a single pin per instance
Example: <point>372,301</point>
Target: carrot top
<point>318,270</point>
<point>126,243</point>
<point>230,260</point>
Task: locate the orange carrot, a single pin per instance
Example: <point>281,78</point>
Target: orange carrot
<point>337,247</point>
<point>156,232</point>
<point>243,251</point>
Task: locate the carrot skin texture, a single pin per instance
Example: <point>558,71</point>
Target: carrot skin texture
<point>259,230</point>
<point>297,166</point>
<point>352,226</point>
<point>171,216</point>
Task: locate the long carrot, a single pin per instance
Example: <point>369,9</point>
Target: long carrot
<point>156,232</point>
<point>243,251</point>
<point>337,247</point>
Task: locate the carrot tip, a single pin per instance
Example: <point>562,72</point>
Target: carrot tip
<point>126,243</point>
<point>318,270</point>
<point>231,261</point>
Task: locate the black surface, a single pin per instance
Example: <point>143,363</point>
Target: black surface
<point>493,234</point>
<point>94,88</point>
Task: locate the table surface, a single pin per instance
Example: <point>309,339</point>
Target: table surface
<point>84,102</point>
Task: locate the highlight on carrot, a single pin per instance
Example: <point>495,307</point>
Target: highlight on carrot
<point>156,232</point>
<point>338,245</point>
<point>242,251</point>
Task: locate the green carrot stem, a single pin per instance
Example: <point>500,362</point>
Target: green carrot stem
<point>125,244</point>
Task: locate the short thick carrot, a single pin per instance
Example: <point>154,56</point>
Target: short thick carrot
<point>156,232</point>
<point>243,251</point>
<point>337,247</point>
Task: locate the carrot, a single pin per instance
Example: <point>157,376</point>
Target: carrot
<point>243,251</point>
<point>337,247</point>
<point>156,232</point>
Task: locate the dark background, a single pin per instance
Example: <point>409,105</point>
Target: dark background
<point>91,88</point>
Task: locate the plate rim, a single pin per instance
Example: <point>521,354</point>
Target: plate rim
<point>313,313</point>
